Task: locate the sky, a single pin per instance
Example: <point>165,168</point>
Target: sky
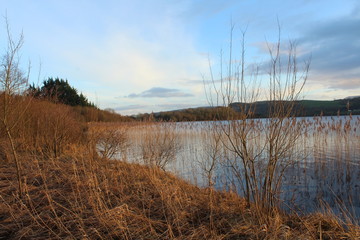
<point>143,56</point>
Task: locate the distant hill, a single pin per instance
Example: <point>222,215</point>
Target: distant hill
<point>313,107</point>
<point>189,114</point>
<point>303,108</point>
<point>351,97</point>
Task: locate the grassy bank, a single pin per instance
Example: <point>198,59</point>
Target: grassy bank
<point>82,196</point>
<point>54,184</point>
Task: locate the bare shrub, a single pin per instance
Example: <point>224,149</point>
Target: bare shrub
<point>160,144</point>
<point>110,141</point>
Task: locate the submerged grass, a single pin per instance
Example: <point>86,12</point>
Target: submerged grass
<point>82,196</point>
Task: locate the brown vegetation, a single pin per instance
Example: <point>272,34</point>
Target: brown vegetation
<point>91,114</point>
<point>81,196</point>
<point>70,191</point>
<point>159,145</point>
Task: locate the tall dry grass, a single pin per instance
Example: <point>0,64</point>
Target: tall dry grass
<point>45,127</point>
<point>82,196</point>
<point>72,190</point>
<point>323,169</point>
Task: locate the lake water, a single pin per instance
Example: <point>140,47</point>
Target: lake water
<point>324,169</point>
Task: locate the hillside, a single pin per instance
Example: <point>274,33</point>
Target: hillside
<point>189,114</point>
<point>310,107</point>
<point>303,108</point>
<point>340,106</point>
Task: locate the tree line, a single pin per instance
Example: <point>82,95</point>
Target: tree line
<point>260,109</point>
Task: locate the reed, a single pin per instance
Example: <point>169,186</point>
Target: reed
<point>80,195</point>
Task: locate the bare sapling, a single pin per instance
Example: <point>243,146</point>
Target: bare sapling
<point>212,155</point>
<point>12,83</point>
<point>259,150</point>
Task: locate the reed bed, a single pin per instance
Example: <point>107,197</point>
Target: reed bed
<point>324,165</point>
<point>82,196</point>
<point>83,193</point>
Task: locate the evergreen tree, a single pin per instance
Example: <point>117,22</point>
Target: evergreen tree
<point>59,91</point>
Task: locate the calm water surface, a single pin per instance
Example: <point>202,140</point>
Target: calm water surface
<point>326,173</point>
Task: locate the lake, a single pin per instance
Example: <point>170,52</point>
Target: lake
<point>322,172</point>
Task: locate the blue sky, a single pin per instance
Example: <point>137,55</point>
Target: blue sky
<point>142,56</point>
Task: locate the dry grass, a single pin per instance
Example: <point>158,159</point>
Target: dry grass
<point>82,196</point>
<point>77,194</point>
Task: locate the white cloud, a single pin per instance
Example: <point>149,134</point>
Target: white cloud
<point>160,92</point>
